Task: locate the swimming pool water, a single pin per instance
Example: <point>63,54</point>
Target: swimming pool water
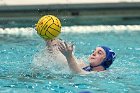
<point>18,50</point>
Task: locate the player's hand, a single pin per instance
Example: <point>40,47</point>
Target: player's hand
<point>66,49</point>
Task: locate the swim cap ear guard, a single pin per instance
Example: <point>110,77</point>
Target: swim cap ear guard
<point>110,57</point>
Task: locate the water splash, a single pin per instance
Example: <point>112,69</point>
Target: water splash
<point>50,61</point>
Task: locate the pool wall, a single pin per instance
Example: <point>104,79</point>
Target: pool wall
<point>26,15</point>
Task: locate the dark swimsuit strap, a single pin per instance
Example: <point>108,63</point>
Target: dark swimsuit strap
<point>88,68</point>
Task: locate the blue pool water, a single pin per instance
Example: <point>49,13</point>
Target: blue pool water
<point>19,45</point>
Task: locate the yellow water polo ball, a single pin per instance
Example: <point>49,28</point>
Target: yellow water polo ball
<point>48,27</point>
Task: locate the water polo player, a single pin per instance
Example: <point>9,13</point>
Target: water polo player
<point>100,59</point>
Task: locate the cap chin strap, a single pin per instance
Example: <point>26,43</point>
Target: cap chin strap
<point>90,67</point>
<point>102,64</point>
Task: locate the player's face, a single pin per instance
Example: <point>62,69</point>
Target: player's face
<point>97,56</point>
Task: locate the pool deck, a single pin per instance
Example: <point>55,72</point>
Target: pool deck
<point>71,12</point>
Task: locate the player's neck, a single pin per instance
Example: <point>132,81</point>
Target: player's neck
<point>98,68</point>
